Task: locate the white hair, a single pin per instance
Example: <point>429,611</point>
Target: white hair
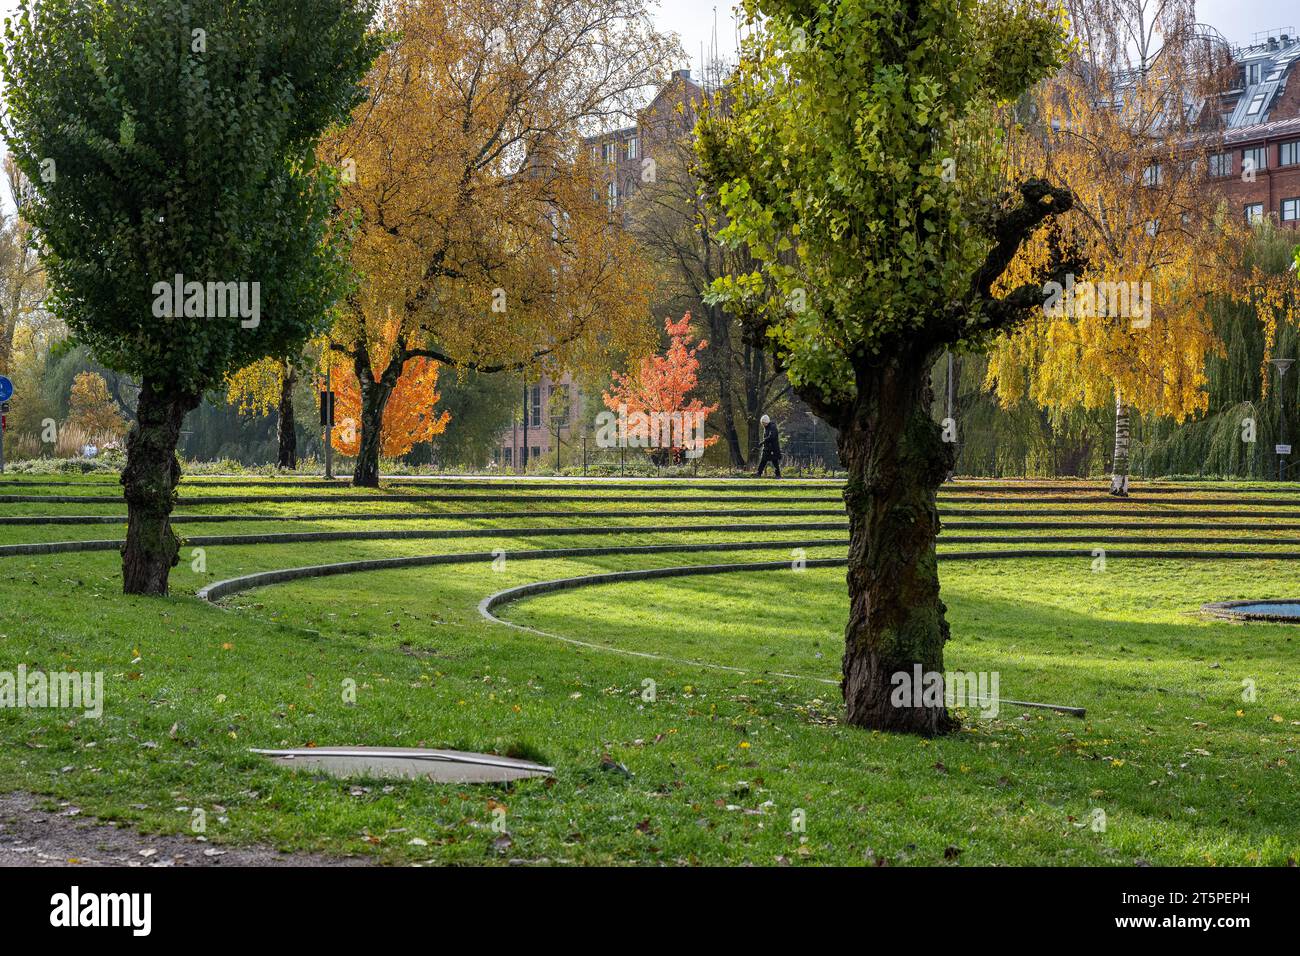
<point>764,420</point>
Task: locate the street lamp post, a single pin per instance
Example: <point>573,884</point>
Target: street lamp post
<point>1282,448</point>
<point>327,417</point>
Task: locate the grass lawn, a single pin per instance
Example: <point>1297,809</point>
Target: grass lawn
<point>737,757</point>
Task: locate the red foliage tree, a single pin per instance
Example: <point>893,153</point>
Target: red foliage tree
<point>651,400</point>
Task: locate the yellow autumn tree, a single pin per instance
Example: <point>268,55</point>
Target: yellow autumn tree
<point>262,386</point>
<point>482,231</point>
<point>1126,125</point>
<point>91,408</point>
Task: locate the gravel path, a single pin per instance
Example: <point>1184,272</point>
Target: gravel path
<point>30,836</point>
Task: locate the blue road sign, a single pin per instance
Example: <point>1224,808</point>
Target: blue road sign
<point>6,389</point>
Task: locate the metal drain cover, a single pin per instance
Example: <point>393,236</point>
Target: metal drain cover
<point>413,763</point>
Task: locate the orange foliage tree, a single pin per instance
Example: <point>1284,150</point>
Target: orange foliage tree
<point>651,401</point>
<point>408,416</point>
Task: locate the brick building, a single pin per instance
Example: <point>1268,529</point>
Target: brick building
<point>629,154</point>
<point>1258,169</point>
<point>554,409</point>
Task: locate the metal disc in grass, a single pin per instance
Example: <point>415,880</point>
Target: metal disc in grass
<point>412,763</point>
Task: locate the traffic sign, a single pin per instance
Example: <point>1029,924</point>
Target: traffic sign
<point>6,389</point>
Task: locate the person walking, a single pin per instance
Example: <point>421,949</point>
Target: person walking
<point>771,447</point>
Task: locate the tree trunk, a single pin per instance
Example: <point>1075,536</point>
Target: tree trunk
<point>287,432</point>
<point>896,460</point>
<point>149,482</point>
<point>1119,469</point>
<point>721,357</point>
<point>753,404</point>
<point>374,399</point>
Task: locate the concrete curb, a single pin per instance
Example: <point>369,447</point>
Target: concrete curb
<point>431,516</point>
<point>1225,610</point>
<point>220,589</point>
<point>301,537</point>
<point>298,537</point>
<point>322,499</point>
<point>510,595</point>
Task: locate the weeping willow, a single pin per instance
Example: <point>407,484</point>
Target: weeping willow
<point>1245,401</point>
<point>1234,437</point>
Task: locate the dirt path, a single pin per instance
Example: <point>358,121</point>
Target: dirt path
<point>30,836</point>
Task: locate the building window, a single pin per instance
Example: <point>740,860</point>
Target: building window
<point>1153,175</point>
<point>1253,73</point>
<point>1289,153</point>
<point>536,452</point>
<point>535,404</point>
<point>1256,104</point>
<point>508,455</point>
<point>613,194</point>
<point>1291,210</point>
<point>1254,159</point>
<point>595,153</point>
<point>1221,164</point>
<point>631,148</point>
<point>608,152</point>
<point>1254,213</point>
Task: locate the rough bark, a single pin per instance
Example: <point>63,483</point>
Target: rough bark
<point>1119,468</point>
<point>374,399</point>
<point>149,481</point>
<point>896,459</point>
<point>286,430</point>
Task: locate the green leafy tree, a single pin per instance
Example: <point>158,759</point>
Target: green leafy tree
<point>862,136</point>
<point>172,145</point>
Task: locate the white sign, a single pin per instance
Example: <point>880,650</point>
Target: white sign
<point>1282,449</point>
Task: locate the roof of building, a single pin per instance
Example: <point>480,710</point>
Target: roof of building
<point>1266,66</point>
<point>1244,134</point>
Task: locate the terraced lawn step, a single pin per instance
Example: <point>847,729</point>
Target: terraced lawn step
<point>351,498</point>
<point>1132,513</point>
<point>58,547</point>
<point>221,589</point>
<point>428,516</point>
<point>1146,525</point>
<point>1106,502</point>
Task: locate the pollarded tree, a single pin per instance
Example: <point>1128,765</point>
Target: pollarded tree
<point>183,218</point>
<point>481,227</point>
<point>862,128</point>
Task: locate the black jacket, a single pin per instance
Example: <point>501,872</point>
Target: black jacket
<point>771,441</point>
